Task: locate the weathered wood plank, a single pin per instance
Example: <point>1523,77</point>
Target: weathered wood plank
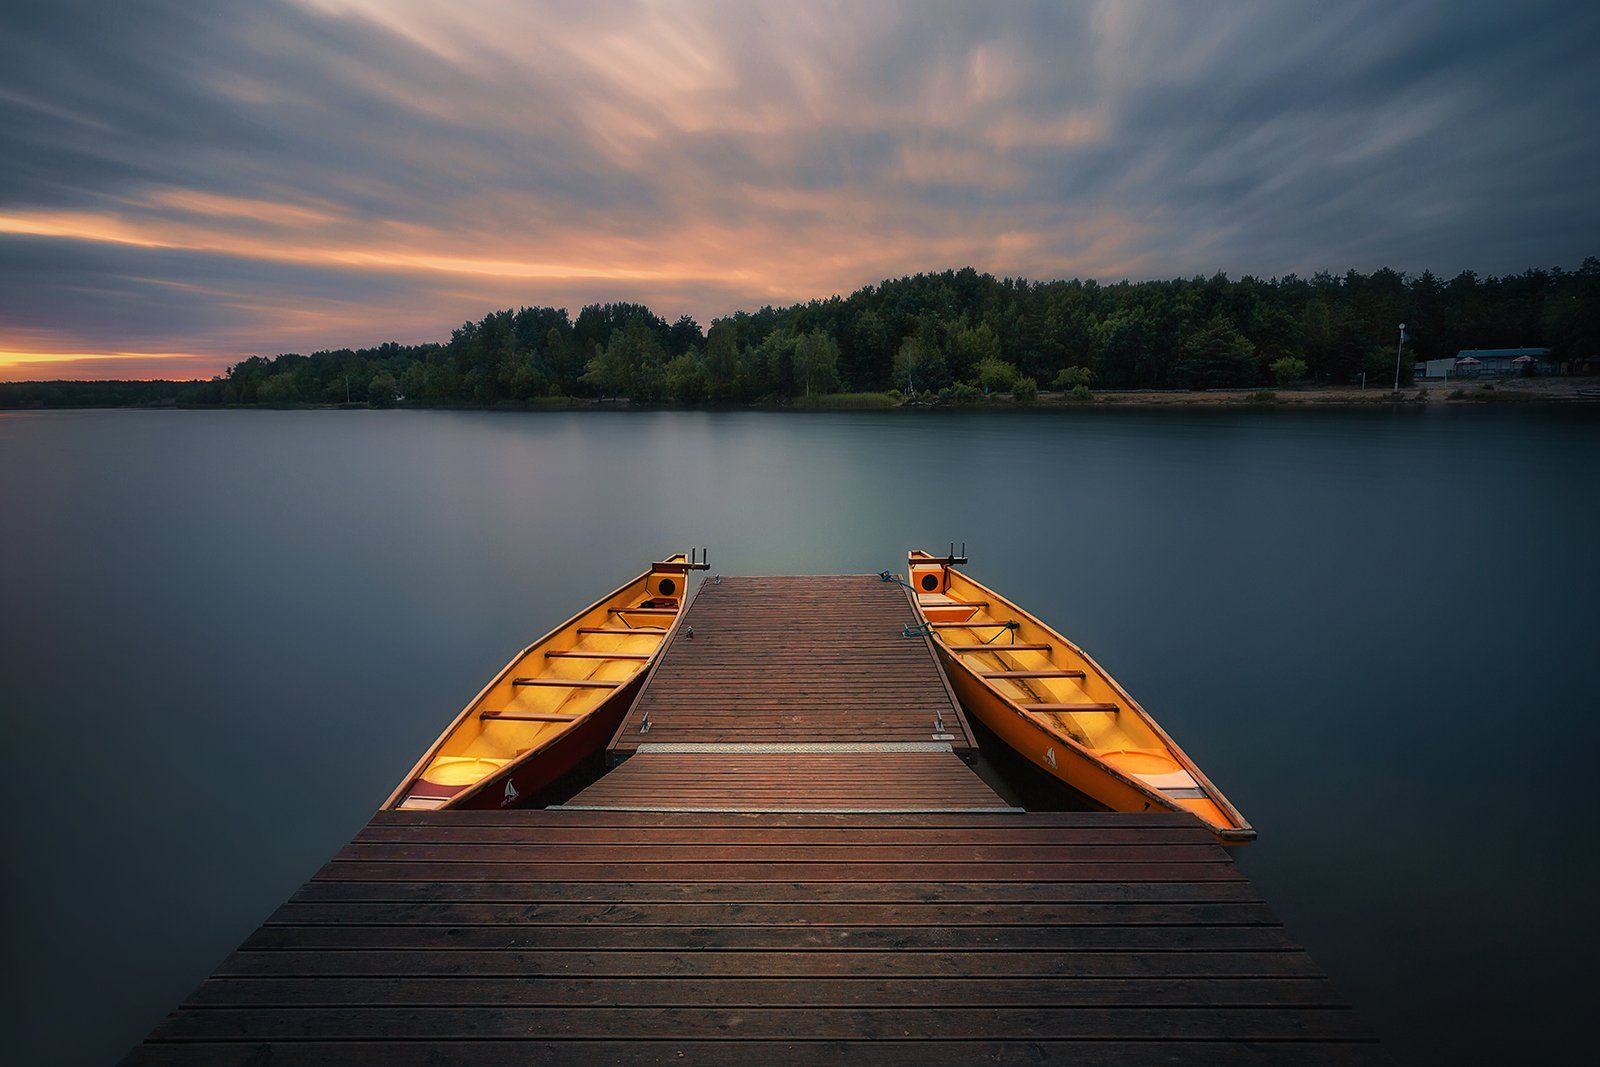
<point>796,913</point>
<point>658,1023</point>
<point>953,896</point>
<point>800,871</point>
<point>557,817</point>
<point>798,837</point>
<point>519,964</point>
<point>779,853</point>
<point>816,938</point>
<point>888,1052</point>
<point>766,992</point>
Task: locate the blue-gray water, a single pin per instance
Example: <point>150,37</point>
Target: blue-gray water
<point>224,636</point>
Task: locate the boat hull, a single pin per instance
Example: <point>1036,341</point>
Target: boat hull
<point>555,703</point>
<point>1026,682</point>
<point>564,752</point>
<point>1065,762</point>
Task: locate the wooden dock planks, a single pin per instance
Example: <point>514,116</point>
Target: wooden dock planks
<point>818,781</point>
<point>581,936</point>
<point>791,865</point>
<point>820,658</point>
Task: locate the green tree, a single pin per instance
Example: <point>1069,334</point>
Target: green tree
<point>1380,363</point>
<point>630,365</point>
<point>1073,377</point>
<point>414,381</point>
<point>816,363</point>
<point>1287,369</point>
<point>971,346</point>
<point>917,365</point>
<point>1025,389</point>
<point>994,375</point>
<point>1217,355</point>
<point>281,388</point>
<point>686,378</point>
<point>526,381</point>
<point>1571,315</point>
<point>722,358</point>
<point>382,390</point>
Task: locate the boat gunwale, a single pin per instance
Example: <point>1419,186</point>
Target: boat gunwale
<point>957,712</point>
<point>647,671</point>
<point>415,773</point>
<point>1242,832</point>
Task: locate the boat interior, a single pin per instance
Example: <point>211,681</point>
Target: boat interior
<point>1055,684</point>
<point>553,685</point>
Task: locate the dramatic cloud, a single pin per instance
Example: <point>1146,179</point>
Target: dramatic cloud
<point>188,183</point>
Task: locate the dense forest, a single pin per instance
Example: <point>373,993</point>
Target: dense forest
<point>955,335</point>
<point>103,394</point>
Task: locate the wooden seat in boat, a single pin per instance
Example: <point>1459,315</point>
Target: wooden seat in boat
<point>531,716</point>
<point>1032,674</point>
<point>998,647</point>
<point>1111,709</point>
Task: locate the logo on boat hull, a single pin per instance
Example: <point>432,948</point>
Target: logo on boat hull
<point>511,794</point>
<point>1050,757</point>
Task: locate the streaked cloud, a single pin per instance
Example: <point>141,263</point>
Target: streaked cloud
<point>238,177</point>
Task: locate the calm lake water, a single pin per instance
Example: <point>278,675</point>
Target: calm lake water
<point>225,635</point>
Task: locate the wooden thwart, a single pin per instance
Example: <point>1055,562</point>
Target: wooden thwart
<point>1108,708</point>
<point>530,716</point>
<point>1000,646</point>
<point>1049,673</point>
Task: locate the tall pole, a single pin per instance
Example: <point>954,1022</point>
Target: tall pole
<point>1397,349</point>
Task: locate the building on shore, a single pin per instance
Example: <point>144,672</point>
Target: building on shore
<point>1490,363</point>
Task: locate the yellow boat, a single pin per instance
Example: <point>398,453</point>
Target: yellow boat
<point>557,701</point>
<point>1045,697</point>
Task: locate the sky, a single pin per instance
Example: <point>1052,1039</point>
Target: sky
<point>183,184</point>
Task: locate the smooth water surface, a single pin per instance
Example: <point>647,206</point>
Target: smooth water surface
<point>225,635</point>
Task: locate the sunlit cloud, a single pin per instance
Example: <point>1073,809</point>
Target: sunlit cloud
<point>280,175</point>
<point>123,366</point>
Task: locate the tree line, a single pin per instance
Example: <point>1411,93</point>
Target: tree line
<point>954,334</point>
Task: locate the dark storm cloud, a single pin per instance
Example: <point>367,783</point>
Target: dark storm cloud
<point>288,174</point>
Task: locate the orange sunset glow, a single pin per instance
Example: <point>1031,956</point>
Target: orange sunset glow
<point>295,176</point>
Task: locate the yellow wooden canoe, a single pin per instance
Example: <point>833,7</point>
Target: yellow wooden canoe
<point>558,701</point>
<point>1045,697</point>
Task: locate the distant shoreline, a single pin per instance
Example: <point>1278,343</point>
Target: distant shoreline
<point>1562,391</point>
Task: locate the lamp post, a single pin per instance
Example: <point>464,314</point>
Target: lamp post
<point>1397,350</point>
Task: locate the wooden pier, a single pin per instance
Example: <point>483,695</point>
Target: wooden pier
<point>819,659</point>
<point>792,864</point>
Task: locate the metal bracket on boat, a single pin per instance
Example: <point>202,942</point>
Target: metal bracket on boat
<point>921,629</point>
<point>952,559</point>
<point>699,559</point>
<point>1010,626</point>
